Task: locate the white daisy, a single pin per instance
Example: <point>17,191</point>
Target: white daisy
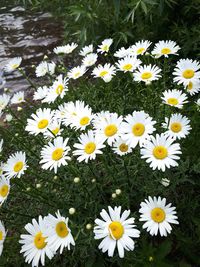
<point>40,121</point>
<point>128,64</point>
<point>174,98</point>
<point>193,88</point>
<point>105,72</point>
<point>68,111</point>
<point>2,236</point>
<point>100,117</point>
<point>165,48</point>
<point>177,126</point>
<point>86,50</point>
<point>41,93</point>
<point>54,129</point>
<point>65,49</point>
<point>15,165</point>
<point>76,72</point>
<point>105,46</point>
<point>4,100</point>
<point>187,71</point>
<point>13,64</point>
<point>157,216</point>
<point>116,230</point>
<point>121,147</point>
<point>89,59</point>
<point>55,154</point>
<point>147,73</point>
<point>88,147</point>
<point>17,98</point>
<point>140,47</point>
<point>4,189</point>
<point>43,68</point>
<point>34,244</point>
<point>137,128</point>
<point>63,110</point>
<point>122,52</point>
<point>58,232</point>
<point>161,152</point>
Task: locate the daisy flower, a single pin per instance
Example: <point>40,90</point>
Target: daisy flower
<point>41,93</point>
<point>65,49</point>
<point>76,72</point>
<point>58,232</point>
<point>157,216</point>
<point>121,147</point>
<point>17,98</point>
<point>54,129</point>
<point>100,117</point>
<point>105,72</point>
<point>34,244</point>
<point>15,165</point>
<point>174,98</point>
<point>13,64</point>
<point>116,231</point>
<point>122,52</point>
<point>88,147</point>
<point>177,126</point>
<point>147,74</point>
<point>137,128</point>
<point>165,48</point>
<point>110,128</point>
<point>64,110</point>
<point>40,121</point>
<point>1,145</point>
<point>86,50</point>
<point>43,68</point>
<point>128,64</point>
<point>4,100</point>
<point>68,111</point>
<point>105,46</point>
<point>140,47</point>
<point>55,154</point>
<point>161,152</point>
<point>4,189</point>
<point>187,71</point>
<point>193,88</point>
<point>89,59</point>
<point>2,236</point>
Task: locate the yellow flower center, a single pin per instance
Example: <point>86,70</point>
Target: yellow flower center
<point>103,73</point>
<point>190,86</point>
<point>188,74</point>
<point>116,230</point>
<point>110,130</point>
<point>127,67</point>
<point>105,48</point>
<point>138,129</point>
<point>77,74</point>
<point>56,130</point>
<point>84,121</point>
<point>39,241</point>
<point>165,51</point>
<point>158,215</point>
<point>4,190</point>
<point>176,127</point>
<point>1,235</point>
<point>59,89</point>
<point>146,75</point>
<point>172,101</point>
<point>140,50</point>
<point>14,66</point>
<point>43,124</point>
<point>61,229</point>
<point>18,166</point>
<point>123,147</point>
<point>57,154</point>
<point>90,147</point>
<point>160,152</point>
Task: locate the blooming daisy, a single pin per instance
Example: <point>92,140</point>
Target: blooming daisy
<point>157,216</point>
<point>161,152</point>
<point>105,46</point>
<point>55,154</point>
<point>122,52</point>
<point>4,100</point>
<point>4,189</point>
<point>193,88</point>
<point>100,117</point>
<point>86,50</point>
<point>147,74</point>
<point>116,230</point>
<point>187,71</point>
<point>58,232</point>
<point>88,147</point>
<point>140,47</point>
<point>89,59</point>
<point>105,72</point>
<point>76,72</point>
<point>174,98</point>
<point>165,48</point>
<point>34,244</point>
<point>177,126</point>
<point>13,64</point>
<point>15,165</point>
<point>137,128</point>
<point>54,128</point>
<point>68,111</point>
<point>121,147</point>
<point>43,68</point>
<point>109,128</point>
<point>65,49</point>
<point>41,93</point>
<point>2,236</point>
<point>128,64</point>
<point>17,98</point>
<point>40,121</point>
